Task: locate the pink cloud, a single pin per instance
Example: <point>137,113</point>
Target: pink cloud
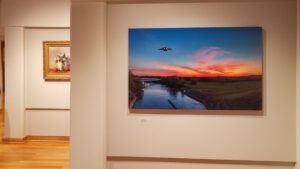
<point>211,60</point>
<point>208,55</point>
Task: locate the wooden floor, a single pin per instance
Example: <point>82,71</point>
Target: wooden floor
<point>35,155</point>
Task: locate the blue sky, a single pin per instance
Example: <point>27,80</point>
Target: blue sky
<point>192,46</point>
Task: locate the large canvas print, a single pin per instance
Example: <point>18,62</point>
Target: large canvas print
<point>195,68</point>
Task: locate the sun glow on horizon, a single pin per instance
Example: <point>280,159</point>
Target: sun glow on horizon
<point>206,64</point>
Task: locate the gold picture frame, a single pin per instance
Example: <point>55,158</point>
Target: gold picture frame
<point>57,60</point>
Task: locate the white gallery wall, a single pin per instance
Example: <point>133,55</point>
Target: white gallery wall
<point>267,137</point>
<point>34,107</point>
<point>88,91</point>
<point>14,83</point>
<point>47,103</point>
<point>99,87</point>
<point>36,13</point>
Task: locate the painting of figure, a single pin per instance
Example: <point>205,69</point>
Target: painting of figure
<point>195,68</point>
<point>57,60</point>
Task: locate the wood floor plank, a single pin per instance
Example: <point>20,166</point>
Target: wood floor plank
<point>35,155</point>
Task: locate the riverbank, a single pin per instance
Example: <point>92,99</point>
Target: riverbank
<point>131,102</point>
<point>219,93</point>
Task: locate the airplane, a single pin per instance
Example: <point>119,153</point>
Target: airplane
<point>165,49</point>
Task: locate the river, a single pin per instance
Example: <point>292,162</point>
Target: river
<point>159,96</point>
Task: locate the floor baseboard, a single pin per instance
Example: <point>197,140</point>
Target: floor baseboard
<point>36,138</point>
<point>47,138</point>
<point>205,161</point>
<point>12,140</point>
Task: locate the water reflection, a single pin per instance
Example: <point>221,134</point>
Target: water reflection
<point>159,96</point>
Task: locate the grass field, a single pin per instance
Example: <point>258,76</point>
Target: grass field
<point>234,95</point>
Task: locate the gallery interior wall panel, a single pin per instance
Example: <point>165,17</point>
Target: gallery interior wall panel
<point>14,82</point>
<point>88,91</point>
<point>38,92</point>
<point>16,15</point>
<point>156,133</point>
<point>47,122</point>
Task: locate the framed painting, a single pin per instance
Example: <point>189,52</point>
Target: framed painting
<point>57,60</point>
<point>195,68</point>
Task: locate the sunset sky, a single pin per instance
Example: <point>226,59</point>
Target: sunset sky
<point>196,52</point>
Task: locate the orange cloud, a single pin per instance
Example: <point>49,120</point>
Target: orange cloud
<point>209,63</point>
<point>225,68</point>
<point>152,72</point>
<point>180,70</point>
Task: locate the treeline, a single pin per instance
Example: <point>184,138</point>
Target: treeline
<point>175,82</point>
<point>135,87</point>
<point>228,79</point>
